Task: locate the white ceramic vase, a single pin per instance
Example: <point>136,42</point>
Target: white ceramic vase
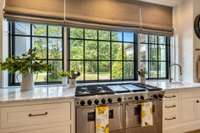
<point>72,83</point>
<point>64,81</point>
<point>142,79</point>
<point>27,82</point>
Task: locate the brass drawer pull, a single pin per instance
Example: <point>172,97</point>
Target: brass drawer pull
<point>169,119</point>
<point>172,106</point>
<point>34,115</point>
<point>173,96</point>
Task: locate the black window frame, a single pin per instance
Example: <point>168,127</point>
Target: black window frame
<point>134,60</point>
<point>11,42</point>
<point>167,52</point>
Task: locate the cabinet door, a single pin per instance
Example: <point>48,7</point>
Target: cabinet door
<point>189,109</point>
<point>198,108</point>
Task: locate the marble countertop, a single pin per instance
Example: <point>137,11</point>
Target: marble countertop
<point>13,94</point>
<point>167,86</point>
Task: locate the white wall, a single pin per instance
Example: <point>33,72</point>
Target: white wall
<point>196,39</point>
<point>3,44</point>
<point>1,35</point>
<point>185,39</point>
<point>183,34</point>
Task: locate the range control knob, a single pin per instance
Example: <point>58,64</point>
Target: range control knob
<point>82,103</point>
<point>155,96</point>
<point>142,97</point>
<point>136,98</point>
<point>119,99</point>
<point>160,95</point>
<point>96,101</point>
<point>89,102</point>
<point>103,101</point>
<point>109,100</point>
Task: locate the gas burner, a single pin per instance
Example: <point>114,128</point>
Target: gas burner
<point>92,90</point>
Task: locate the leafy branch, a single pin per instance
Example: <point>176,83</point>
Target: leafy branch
<point>27,63</point>
<point>69,74</point>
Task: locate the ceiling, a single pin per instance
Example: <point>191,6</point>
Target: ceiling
<point>163,2</point>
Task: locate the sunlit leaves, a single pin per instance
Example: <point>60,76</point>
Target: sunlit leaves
<point>102,53</point>
<point>39,30</point>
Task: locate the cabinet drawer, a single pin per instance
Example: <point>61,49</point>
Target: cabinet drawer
<point>56,129</point>
<point>169,105</point>
<point>34,114</point>
<point>170,96</point>
<point>169,120</point>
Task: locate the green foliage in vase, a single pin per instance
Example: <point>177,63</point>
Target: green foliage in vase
<point>141,72</point>
<point>64,74</point>
<point>27,63</point>
<point>69,74</point>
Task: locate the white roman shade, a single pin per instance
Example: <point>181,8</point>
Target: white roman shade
<point>130,14</point>
<point>156,17</point>
<point>35,10</point>
<point>145,17</point>
<point>113,12</point>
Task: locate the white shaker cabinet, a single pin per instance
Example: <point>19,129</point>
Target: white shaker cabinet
<point>188,109</point>
<point>181,110</point>
<point>52,116</point>
<point>170,112</point>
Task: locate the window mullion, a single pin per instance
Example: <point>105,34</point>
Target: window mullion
<point>148,58</point>
<point>135,50</point>
<point>122,62</point>
<point>47,39</point>
<point>158,61</point>
<point>110,55</point>
<point>84,54</point>
<point>97,55</point>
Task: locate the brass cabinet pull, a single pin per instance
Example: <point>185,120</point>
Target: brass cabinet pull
<point>173,96</point>
<point>34,115</point>
<point>171,106</point>
<point>169,119</point>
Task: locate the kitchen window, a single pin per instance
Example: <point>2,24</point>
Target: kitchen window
<point>154,55</point>
<point>102,55</point>
<point>48,41</point>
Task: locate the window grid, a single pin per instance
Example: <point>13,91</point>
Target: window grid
<point>47,37</point>
<point>110,60</point>
<point>157,61</point>
<point>98,40</point>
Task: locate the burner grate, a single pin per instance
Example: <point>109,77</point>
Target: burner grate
<point>93,90</point>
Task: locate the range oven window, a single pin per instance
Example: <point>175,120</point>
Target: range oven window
<point>102,55</point>
<point>154,55</point>
<point>48,41</point>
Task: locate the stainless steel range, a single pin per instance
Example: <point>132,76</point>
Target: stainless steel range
<point>124,102</point>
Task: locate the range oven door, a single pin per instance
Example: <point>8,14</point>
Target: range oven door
<point>132,115</point>
<point>133,118</point>
<point>85,119</point>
